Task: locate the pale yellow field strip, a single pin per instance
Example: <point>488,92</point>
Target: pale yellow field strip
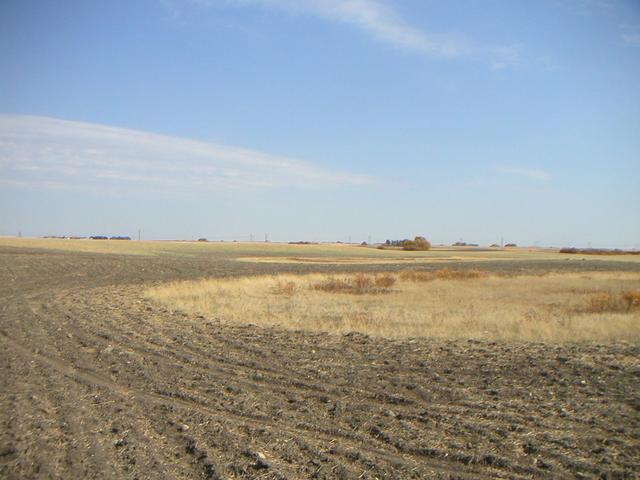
<point>550,308</point>
<point>282,253</point>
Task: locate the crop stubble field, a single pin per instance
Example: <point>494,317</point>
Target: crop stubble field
<point>103,380</point>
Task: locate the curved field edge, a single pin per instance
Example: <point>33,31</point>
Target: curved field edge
<point>443,304</point>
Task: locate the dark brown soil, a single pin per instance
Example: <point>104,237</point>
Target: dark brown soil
<point>99,383</point>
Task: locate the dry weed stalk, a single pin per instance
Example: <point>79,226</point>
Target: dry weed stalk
<point>417,276</point>
<point>449,274</point>
<point>284,288</point>
<point>358,284</point>
<point>442,274</point>
<point>603,302</point>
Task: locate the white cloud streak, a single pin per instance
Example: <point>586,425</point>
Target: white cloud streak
<point>529,173</point>
<point>374,17</point>
<point>630,39</point>
<point>379,20</point>
<point>52,153</point>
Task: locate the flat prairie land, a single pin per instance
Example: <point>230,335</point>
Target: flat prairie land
<point>189,360</point>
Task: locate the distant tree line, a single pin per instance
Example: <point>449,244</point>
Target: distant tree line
<point>418,243</point>
<point>104,237</point>
<point>599,251</point>
<point>92,237</point>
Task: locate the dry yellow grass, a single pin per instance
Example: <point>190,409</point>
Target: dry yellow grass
<point>358,284</point>
<point>552,307</point>
<point>614,302</point>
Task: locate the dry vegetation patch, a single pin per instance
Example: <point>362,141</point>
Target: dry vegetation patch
<point>442,274</point>
<point>449,274</point>
<point>614,301</point>
<point>446,303</point>
<point>358,284</point>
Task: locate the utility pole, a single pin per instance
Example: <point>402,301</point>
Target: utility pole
<point>266,238</point>
<point>138,234</point>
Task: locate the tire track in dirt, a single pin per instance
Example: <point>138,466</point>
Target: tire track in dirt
<point>105,382</point>
<point>156,393</point>
<point>333,432</point>
<point>90,378</point>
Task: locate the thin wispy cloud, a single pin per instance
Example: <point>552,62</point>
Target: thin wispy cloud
<point>631,39</point>
<point>380,21</point>
<point>532,174</point>
<point>52,153</point>
<point>376,18</point>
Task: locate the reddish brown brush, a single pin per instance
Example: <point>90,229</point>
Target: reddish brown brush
<point>602,302</point>
<point>358,284</point>
<point>417,276</point>
<point>449,274</point>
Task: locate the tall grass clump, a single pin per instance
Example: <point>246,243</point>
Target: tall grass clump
<point>358,284</point>
<point>632,299</point>
<point>442,274</point>
<point>449,274</point>
<point>417,276</point>
<point>284,288</point>
<point>604,302</point>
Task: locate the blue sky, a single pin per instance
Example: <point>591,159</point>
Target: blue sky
<point>322,119</point>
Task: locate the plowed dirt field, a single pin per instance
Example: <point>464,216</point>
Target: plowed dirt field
<point>99,382</point>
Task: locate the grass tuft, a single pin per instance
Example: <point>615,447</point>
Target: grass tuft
<point>385,280</point>
<point>632,299</point>
<point>417,276</point>
<point>449,274</point>
<point>284,288</point>
<point>442,274</point>
<point>358,284</point>
<point>608,302</point>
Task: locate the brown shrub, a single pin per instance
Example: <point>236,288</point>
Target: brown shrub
<point>604,302</point>
<point>284,288</point>
<point>416,276</point>
<point>448,274</point>
<point>363,283</point>
<point>632,299</point>
<point>385,280</point>
<point>610,302</point>
<point>332,284</point>
<point>358,284</point>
